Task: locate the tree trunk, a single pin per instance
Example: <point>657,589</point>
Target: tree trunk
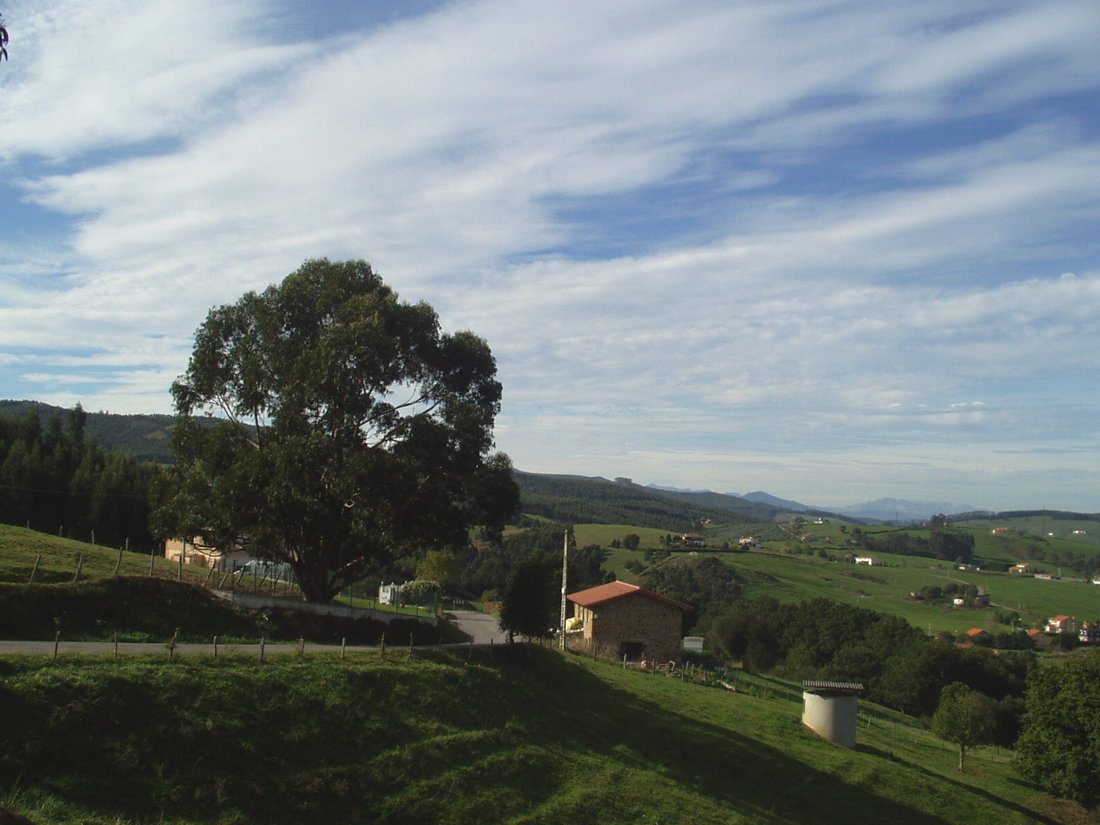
<point>314,582</point>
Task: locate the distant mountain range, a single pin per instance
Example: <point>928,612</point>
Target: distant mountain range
<point>903,511</point>
<point>563,497</point>
<point>883,509</point>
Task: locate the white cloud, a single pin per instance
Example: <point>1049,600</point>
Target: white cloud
<point>745,275</point>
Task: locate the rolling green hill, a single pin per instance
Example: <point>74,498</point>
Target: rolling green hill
<point>578,499</point>
<point>90,593</point>
<point>526,736</point>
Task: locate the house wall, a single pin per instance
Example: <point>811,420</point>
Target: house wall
<point>637,618</point>
<point>174,548</point>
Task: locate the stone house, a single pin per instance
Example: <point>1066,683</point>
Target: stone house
<point>623,620</point>
<point>197,553</point>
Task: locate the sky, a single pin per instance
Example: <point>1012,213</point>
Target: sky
<point>833,250</point>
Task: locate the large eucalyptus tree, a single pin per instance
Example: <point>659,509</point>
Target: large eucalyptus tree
<point>348,431</point>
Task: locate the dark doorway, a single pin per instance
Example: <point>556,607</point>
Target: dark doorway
<point>633,651</point>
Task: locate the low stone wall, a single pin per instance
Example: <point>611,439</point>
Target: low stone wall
<point>254,601</point>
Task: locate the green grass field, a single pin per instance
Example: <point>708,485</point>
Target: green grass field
<point>604,534</point>
<point>59,560</point>
<point>524,736</point>
<point>115,597</point>
<point>530,737</point>
<point>791,577</point>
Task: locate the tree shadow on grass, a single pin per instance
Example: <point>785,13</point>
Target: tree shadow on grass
<point>964,786</point>
<point>756,780</point>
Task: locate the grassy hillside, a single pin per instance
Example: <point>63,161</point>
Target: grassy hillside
<point>576,499</point>
<point>137,606</point>
<point>538,737</point>
<point>793,571</point>
<point>887,589</point>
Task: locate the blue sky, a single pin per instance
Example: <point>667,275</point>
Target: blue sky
<point>831,250</point>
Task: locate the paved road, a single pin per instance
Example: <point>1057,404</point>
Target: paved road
<point>482,628</point>
<point>160,649</point>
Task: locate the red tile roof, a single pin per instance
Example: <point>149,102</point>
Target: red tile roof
<point>601,594</point>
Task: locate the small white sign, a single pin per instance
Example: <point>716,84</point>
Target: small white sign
<point>693,643</point>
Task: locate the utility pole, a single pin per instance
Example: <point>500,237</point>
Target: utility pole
<point>564,585</point>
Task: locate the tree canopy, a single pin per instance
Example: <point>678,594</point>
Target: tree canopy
<point>55,478</point>
<point>354,432</point>
<point>965,717</point>
<point>1059,747</point>
<point>530,601</point>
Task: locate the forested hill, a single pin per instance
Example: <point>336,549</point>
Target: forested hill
<point>755,509</point>
<point>581,499</point>
<point>144,437</point>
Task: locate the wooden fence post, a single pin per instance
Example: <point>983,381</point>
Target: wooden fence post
<point>343,643</point>
<point>118,562</point>
<point>262,641</point>
<point>79,567</point>
<point>215,647</point>
<point>34,570</point>
<point>151,558</point>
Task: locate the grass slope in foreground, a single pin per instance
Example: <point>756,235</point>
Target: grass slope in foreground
<point>532,737</point>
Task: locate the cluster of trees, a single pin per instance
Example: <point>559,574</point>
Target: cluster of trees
<point>1083,565</point>
<point>948,545</point>
<point>1059,748</point>
<point>55,479</point>
<point>899,666</point>
<point>708,584</point>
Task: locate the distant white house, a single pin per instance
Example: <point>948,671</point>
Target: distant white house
<point>870,561</point>
<point>1061,624</point>
<point>389,593</point>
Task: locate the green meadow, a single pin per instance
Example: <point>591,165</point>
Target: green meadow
<point>793,571</point>
<point>527,735</point>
